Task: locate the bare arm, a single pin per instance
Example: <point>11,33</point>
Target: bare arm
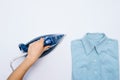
<point>34,51</point>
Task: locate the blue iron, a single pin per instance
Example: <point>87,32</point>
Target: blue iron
<point>49,40</point>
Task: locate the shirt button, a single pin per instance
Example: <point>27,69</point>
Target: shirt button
<point>95,72</point>
<point>94,60</point>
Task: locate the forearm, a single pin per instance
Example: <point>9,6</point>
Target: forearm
<point>34,52</point>
<point>19,72</point>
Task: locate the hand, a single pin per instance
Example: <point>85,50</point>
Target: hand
<point>36,49</point>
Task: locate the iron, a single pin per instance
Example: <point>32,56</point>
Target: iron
<point>50,39</point>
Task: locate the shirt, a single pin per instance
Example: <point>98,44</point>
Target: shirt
<point>95,57</point>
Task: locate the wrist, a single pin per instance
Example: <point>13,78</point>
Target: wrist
<point>31,59</point>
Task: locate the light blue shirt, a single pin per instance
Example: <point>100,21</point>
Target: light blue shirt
<point>95,57</point>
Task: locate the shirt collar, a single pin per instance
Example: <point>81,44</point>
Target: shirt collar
<point>92,41</point>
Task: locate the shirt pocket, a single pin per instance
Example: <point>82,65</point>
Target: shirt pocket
<point>110,71</point>
<point>81,71</point>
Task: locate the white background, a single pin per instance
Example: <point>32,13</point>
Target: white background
<point>23,20</point>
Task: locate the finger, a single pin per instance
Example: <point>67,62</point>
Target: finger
<point>41,41</point>
<point>46,48</point>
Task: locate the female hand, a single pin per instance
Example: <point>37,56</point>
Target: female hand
<point>36,49</point>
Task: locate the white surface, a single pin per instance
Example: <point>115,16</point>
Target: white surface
<point>22,20</point>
